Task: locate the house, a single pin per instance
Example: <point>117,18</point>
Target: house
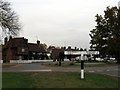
<point>80,54</point>
<point>14,49</point>
<point>20,49</point>
<point>36,51</point>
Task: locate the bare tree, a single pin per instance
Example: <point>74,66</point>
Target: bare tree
<point>9,21</point>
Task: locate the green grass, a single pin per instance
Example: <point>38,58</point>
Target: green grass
<point>57,80</point>
<point>7,65</point>
<point>76,64</point>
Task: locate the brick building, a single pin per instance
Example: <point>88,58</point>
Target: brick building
<point>20,49</point>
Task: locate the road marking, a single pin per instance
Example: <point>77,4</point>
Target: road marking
<point>91,71</point>
<point>108,70</point>
<point>112,75</point>
<point>99,70</point>
<point>45,70</point>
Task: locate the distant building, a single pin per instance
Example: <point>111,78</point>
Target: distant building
<point>81,54</point>
<point>20,49</point>
<point>73,53</point>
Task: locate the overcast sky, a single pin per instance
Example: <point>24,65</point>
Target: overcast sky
<point>59,22</point>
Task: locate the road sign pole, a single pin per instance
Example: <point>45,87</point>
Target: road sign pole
<point>82,69</point>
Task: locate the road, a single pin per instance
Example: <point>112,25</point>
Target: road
<point>37,67</point>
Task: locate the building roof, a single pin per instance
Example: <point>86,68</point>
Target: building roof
<point>57,50</point>
<point>16,42</point>
<point>22,42</point>
<point>36,47</point>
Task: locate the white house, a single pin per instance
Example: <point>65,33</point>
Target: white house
<point>82,54</point>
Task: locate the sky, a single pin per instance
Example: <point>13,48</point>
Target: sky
<point>59,22</point>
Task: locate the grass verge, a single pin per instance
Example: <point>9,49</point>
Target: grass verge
<point>76,64</point>
<point>57,80</point>
<point>7,65</point>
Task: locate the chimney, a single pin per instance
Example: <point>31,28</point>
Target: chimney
<point>69,47</point>
<point>5,40</point>
<point>26,40</point>
<point>38,42</point>
<point>64,48</point>
<point>75,48</point>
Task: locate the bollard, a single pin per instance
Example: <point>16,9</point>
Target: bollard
<point>82,69</point>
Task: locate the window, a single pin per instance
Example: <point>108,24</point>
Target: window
<point>20,57</point>
<point>23,50</point>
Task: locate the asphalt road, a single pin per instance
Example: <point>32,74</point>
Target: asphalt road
<point>37,67</point>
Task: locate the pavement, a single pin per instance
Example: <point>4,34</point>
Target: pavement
<point>37,67</point>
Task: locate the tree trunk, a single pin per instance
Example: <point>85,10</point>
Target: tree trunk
<point>59,62</point>
<point>118,60</point>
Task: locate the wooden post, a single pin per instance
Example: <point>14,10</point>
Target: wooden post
<point>59,62</point>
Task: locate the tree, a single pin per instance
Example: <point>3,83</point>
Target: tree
<point>8,19</point>
<point>106,35</point>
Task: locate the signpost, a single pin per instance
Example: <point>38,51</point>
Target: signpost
<point>82,69</point>
<point>83,56</point>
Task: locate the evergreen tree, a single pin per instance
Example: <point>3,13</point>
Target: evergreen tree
<point>106,35</point>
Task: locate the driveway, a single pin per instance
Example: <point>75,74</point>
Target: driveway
<point>37,67</point>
